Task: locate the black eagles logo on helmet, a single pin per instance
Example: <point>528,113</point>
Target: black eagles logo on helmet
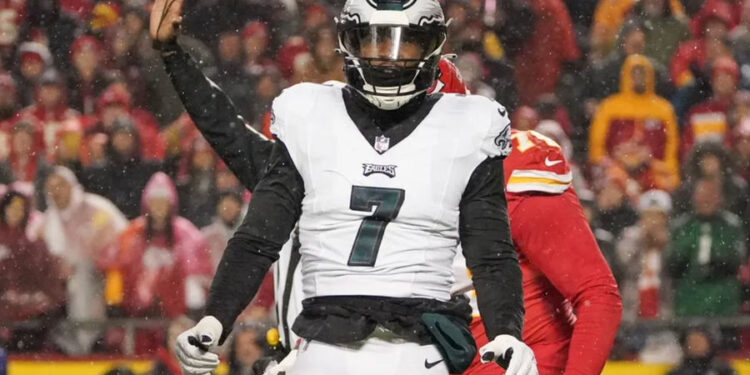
<point>391,48</point>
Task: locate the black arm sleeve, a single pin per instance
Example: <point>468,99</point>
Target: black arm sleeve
<point>244,150</point>
<point>485,237</point>
<point>273,212</point>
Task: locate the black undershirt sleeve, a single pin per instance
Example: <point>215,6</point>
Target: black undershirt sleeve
<point>273,213</point>
<point>244,150</point>
<point>487,245</point>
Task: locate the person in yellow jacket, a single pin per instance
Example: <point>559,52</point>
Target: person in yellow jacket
<point>637,129</point>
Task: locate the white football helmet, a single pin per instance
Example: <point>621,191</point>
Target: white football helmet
<point>391,48</point>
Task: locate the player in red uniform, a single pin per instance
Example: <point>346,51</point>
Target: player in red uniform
<point>572,303</point>
<point>563,269</point>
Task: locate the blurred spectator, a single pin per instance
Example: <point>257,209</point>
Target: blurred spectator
<point>50,108</point>
<point>116,102</point>
<point>644,289</point>
<point>87,77</point>
<point>699,347</point>
<point>314,16</point>
<point>124,173</point>
<point>33,60</point>
<point>524,118</point>
<point>59,29</point>
<point>162,259</point>
<point>197,190</point>
<point>604,238</point>
<point>709,42</point>
<point>710,120</point>
<point>69,142</point>
<point>608,18</point>
<point>10,29</point>
<point>328,63</point>
<point>541,58</point>
<point>127,40</point>
<point>637,129</point>
<point>228,215</point>
<point>742,147</point>
<point>231,75</point>
<point>9,104</point>
<point>25,151</point>
<point>740,41</point>
<point>605,77</point>
<point>470,66</point>
<point>665,27</point>
<point>615,211</point>
<point>269,86</point>
<point>549,107</point>
<point>246,348</point>
<point>166,358</point>
<point>292,47</point>
<point>711,160</point>
<point>32,286</point>
<point>81,229</point>
<point>707,247</point>
<point>255,47</point>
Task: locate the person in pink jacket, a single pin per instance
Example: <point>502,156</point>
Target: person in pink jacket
<point>162,259</point>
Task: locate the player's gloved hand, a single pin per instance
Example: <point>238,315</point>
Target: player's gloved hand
<point>283,366</point>
<point>193,347</point>
<point>512,355</point>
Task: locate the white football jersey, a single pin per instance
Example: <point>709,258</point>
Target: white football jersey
<point>382,219</point>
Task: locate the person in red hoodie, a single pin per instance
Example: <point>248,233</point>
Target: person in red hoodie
<point>32,285</point>
<point>163,258</point>
<point>709,42</point>
<point>711,120</point>
<point>552,43</point>
<point>115,102</point>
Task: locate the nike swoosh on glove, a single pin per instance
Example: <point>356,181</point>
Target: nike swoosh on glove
<point>511,354</point>
<point>193,346</point>
<point>284,365</point>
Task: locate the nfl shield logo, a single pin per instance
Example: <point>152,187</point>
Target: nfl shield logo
<point>382,143</point>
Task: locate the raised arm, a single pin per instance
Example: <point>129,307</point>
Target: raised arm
<point>244,150</point>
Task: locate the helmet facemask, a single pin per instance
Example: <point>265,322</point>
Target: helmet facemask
<point>390,64</point>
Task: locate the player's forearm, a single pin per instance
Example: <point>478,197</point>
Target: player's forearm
<point>599,311</point>
<point>489,251</point>
<point>238,278</point>
<point>244,150</point>
<point>271,216</point>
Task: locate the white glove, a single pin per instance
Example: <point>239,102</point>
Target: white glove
<point>285,364</point>
<point>507,349</point>
<point>193,344</point>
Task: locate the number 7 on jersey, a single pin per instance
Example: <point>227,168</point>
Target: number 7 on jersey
<point>387,203</point>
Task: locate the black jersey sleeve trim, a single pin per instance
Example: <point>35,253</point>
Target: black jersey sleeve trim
<point>244,150</point>
<point>273,212</point>
<point>484,230</point>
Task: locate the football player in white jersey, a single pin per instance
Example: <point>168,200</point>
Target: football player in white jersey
<point>384,189</point>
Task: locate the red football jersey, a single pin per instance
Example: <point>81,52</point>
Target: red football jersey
<point>562,266</point>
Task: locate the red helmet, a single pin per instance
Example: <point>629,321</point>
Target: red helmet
<point>448,79</point>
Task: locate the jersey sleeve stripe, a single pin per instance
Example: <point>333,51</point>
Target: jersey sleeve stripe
<point>533,173</point>
<point>520,185</point>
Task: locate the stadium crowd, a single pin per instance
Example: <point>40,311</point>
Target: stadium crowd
<point>113,206</point>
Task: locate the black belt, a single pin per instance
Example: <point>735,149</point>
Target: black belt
<point>346,319</point>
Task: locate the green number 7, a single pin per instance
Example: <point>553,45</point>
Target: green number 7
<point>387,203</point>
